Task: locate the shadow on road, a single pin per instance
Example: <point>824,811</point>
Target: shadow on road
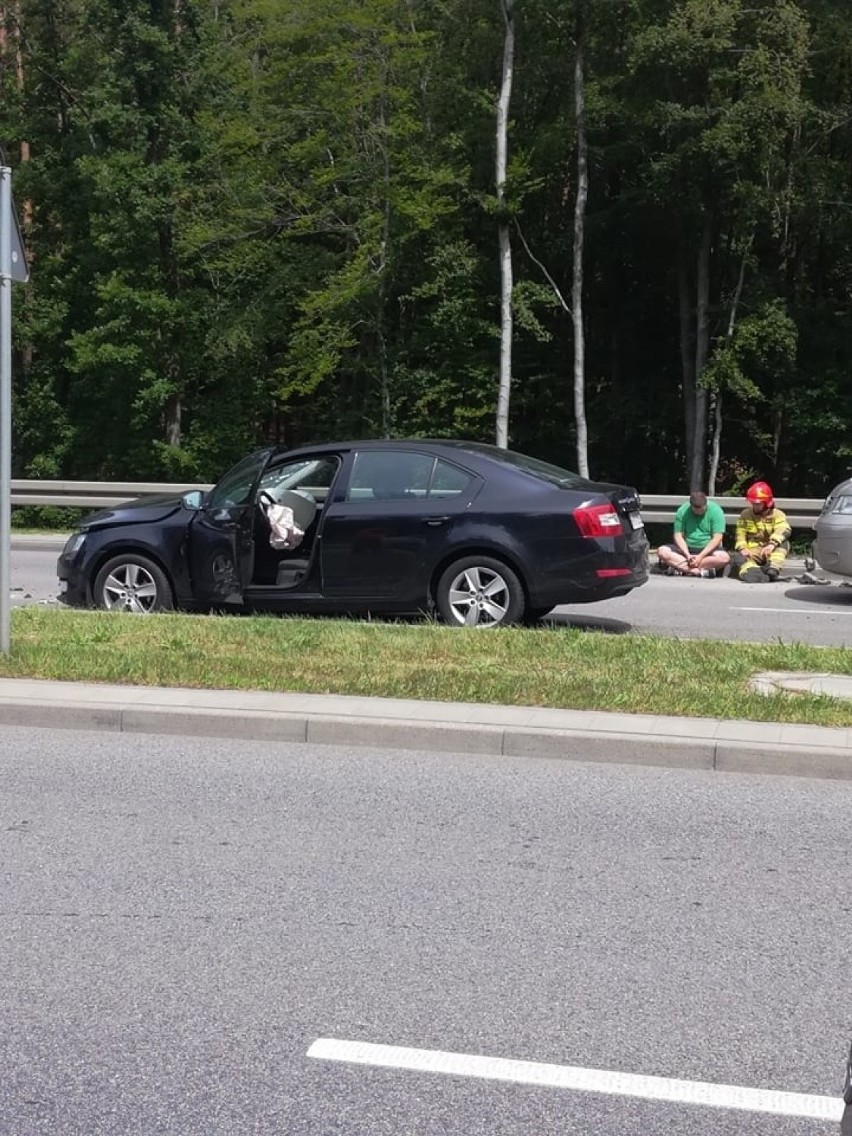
<point>820,594</point>
<point>587,623</point>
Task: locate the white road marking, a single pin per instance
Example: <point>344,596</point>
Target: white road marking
<point>580,1080</point>
<point>797,610</point>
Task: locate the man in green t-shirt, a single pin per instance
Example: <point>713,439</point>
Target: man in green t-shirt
<point>699,528</point>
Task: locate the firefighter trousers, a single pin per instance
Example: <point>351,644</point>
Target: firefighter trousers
<point>774,560</point>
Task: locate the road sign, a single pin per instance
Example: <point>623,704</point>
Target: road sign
<point>19,269</point>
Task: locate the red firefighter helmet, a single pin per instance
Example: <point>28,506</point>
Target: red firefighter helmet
<point>760,493</point>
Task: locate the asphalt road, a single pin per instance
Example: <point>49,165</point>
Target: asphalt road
<point>182,919</point>
<point>788,611</point>
<point>33,576</point>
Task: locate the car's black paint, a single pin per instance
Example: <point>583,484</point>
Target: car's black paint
<point>380,548</point>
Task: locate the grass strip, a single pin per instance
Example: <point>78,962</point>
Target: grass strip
<point>545,666</point>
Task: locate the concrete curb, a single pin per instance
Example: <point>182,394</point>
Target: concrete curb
<point>467,728</point>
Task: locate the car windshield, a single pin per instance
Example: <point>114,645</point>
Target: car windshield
<point>312,474</point>
<point>543,470</point>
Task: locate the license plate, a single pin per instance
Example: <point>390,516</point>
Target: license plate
<point>636,520</point>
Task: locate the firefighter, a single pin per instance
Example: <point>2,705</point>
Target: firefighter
<point>762,539</point>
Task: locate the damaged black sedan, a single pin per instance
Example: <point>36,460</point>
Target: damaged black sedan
<point>480,536</point>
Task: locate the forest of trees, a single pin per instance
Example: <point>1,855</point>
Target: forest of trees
<point>287,221</point>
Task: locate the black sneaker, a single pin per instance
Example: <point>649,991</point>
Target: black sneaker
<point>752,575</point>
<point>708,573</point>
<point>772,573</point>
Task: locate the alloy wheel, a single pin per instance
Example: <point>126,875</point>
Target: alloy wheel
<point>479,597</point>
<point>130,587</point>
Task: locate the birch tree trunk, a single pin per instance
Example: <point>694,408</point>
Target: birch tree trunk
<point>702,346</point>
<point>687,354</point>
<point>173,416</point>
<point>504,390</point>
<point>173,407</point>
<point>382,267</point>
<point>715,447</point>
<point>716,444</point>
<point>579,238</point>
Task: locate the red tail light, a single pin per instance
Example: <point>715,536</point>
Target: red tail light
<point>598,520</point>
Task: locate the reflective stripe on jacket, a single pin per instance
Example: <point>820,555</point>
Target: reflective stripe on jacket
<point>771,527</point>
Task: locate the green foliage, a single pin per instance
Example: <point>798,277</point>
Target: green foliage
<point>761,352</point>
<point>48,517</point>
<point>526,297</point>
<point>256,220</point>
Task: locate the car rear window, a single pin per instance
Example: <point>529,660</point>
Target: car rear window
<point>543,470</point>
<point>842,503</point>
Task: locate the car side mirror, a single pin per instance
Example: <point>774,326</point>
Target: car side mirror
<point>194,499</point>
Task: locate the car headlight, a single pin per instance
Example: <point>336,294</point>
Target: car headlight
<point>74,543</point>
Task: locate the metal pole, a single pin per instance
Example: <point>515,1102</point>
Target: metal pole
<point>5,403</point>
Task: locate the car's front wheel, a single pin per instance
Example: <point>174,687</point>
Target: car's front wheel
<point>479,592</point>
<point>133,583</point>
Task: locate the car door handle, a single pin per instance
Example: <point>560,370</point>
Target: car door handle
<point>435,521</point>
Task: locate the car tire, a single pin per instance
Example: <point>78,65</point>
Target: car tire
<point>479,591</point>
<point>134,584</point>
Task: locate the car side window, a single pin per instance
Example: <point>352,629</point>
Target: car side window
<point>448,480</point>
<point>234,488</point>
<point>390,475</point>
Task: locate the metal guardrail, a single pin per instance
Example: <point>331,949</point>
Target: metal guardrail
<point>93,494</point>
<point>801,512</point>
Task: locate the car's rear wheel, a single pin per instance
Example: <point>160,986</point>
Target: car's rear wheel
<point>133,583</point>
<point>480,592</point>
